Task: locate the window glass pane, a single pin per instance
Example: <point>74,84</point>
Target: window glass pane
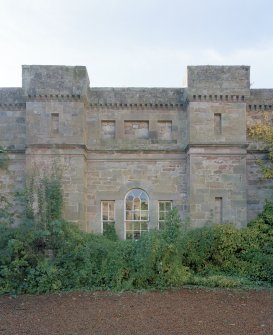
<point>161,224</point>
<point>144,205</point>
<point>137,215</point>
<point>143,196</point>
<point>163,209</point>
<point>168,205</point>
<point>105,207</point>
<point>135,193</point>
<point>137,203</point>
<point>129,225</point>
<point>144,215</point>
<point>111,206</point>
<point>136,225</point>
<point>136,235</point>
<point>129,205</point>
<point>129,215</point>
<point>161,206</point>
<point>129,235</point>
<point>161,216</point>
<point>107,213</point>
<point>144,226</point>
<point>130,197</point>
<point>137,207</point>
<point>111,211</point>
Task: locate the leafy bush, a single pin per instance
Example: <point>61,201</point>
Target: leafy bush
<point>219,280</point>
<point>228,250</point>
<point>46,253</point>
<point>110,232</point>
<point>4,158</point>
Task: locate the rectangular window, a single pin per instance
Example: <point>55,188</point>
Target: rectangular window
<point>217,124</point>
<point>163,209</point>
<point>136,129</point>
<point>108,129</point>
<point>218,210</point>
<point>107,213</point>
<point>164,130</point>
<point>54,123</point>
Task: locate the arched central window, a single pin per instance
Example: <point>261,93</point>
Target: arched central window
<point>136,213</point>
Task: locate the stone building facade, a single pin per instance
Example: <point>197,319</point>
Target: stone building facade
<point>130,154</point>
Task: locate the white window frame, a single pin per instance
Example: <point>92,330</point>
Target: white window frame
<point>101,212</point>
<point>140,220</point>
<point>165,211</point>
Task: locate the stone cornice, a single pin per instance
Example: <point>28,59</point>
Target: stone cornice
<point>56,146</point>
<point>216,145</point>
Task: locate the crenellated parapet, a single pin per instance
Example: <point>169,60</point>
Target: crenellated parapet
<point>139,98</point>
<point>260,100</point>
<point>214,81</point>
<point>12,98</point>
<point>50,80</point>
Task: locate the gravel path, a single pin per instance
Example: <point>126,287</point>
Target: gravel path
<point>183,311</point>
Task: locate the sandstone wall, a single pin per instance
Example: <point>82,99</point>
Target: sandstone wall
<point>111,175</point>
<point>188,145</point>
<point>147,129</point>
<point>71,164</point>
<point>217,173</point>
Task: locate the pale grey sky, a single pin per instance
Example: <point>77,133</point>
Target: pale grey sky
<point>136,42</point>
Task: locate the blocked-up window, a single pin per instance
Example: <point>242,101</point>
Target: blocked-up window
<point>136,129</point>
<point>54,123</point>
<point>107,214</point>
<point>218,210</point>
<point>217,124</point>
<point>164,129</point>
<point>108,129</point>
<point>163,209</point>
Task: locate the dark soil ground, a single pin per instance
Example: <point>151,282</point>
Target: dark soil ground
<point>183,311</point>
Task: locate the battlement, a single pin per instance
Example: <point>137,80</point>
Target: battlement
<point>204,83</point>
<point>225,80</point>
<point>137,97</point>
<point>11,96</point>
<point>54,80</point>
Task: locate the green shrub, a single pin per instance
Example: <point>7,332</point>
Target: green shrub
<point>218,280</point>
<point>110,232</point>
<point>4,158</point>
<point>219,255</point>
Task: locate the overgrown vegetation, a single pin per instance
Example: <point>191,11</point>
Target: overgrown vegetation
<point>46,253</point>
<point>4,158</point>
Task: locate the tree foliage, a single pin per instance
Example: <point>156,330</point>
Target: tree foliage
<point>263,132</point>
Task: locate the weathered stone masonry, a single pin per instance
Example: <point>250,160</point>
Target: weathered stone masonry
<point>182,146</point>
